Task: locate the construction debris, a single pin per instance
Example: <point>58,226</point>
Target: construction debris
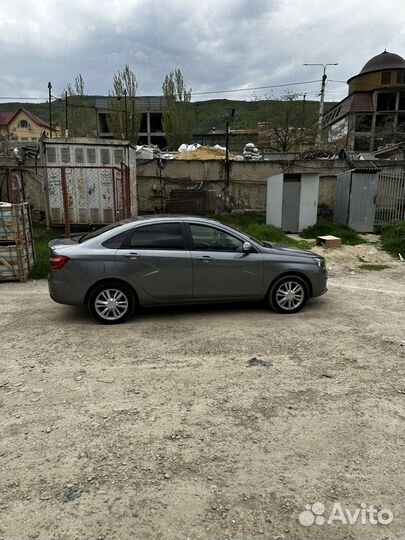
<point>203,153</point>
<point>329,241</point>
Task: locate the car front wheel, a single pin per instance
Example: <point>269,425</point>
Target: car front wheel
<point>111,303</point>
<point>288,295</point>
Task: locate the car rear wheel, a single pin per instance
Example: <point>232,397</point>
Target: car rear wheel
<point>111,303</point>
<point>288,295</point>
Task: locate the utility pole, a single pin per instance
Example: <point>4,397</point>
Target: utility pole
<point>126,114</point>
<point>50,109</point>
<point>228,114</point>
<point>66,116</point>
<point>303,111</point>
<point>323,84</point>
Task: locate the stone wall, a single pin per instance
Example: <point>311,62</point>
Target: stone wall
<point>248,181</point>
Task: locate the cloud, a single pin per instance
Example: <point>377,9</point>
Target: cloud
<point>217,44</point>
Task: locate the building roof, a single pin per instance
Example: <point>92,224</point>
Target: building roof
<point>7,117</point>
<point>358,102</point>
<point>381,62</point>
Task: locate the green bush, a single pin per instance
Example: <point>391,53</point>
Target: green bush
<point>42,236</point>
<point>393,238</point>
<point>323,227</point>
<point>254,225</point>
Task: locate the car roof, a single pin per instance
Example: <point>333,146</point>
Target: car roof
<point>181,217</point>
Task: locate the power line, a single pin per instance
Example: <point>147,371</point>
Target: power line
<point>252,88</point>
<point>22,98</point>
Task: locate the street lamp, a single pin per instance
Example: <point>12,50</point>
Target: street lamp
<point>323,84</point>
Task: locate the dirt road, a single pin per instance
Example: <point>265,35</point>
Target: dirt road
<point>162,428</point>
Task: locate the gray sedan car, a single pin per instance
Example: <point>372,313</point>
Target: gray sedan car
<point>161,260</point>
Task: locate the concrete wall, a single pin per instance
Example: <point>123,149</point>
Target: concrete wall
<point>248,180</point>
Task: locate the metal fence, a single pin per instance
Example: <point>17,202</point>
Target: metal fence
<point>390,198</point>
<point>77,195</point>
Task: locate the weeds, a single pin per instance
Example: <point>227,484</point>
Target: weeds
<point>348,235</point>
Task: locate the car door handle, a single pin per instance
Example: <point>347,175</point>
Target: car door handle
<point>131,255</point>
<point>205,258</point>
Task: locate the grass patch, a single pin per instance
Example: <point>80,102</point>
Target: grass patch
<point>393,238</point>
<point>375,267</point>
<point>41,237</point>
<point>254,225</point>
<point>348,235</point>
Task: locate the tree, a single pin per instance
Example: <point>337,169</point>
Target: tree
<point>78,110</point>
<point>178,115</point>
<point>282,125</point>
<point>123,118</point>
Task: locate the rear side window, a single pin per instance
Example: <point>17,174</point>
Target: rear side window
<point>158,236</point>
<point>115,242</point>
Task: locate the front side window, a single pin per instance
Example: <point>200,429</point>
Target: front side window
<point>23,124</point>
<point>157,236</point>
<point>211,239</point>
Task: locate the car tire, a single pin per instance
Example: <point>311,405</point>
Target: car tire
<point>111,303</point>
<point>288,295</point>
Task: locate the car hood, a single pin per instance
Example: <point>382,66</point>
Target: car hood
<point>287,250</point>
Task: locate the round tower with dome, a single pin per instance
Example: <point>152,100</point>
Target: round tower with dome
<point>373,114</point>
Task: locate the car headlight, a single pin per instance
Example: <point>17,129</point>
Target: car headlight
<point>320,262</point>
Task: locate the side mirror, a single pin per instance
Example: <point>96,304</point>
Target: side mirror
<point>247,247</point>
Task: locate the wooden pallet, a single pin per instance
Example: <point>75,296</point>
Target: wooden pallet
<point>17,253</point>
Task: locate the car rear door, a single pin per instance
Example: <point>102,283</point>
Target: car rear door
<point>155,261</point>
<point>221,269</point>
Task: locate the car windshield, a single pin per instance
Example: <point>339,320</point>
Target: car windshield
<point>102,230</point>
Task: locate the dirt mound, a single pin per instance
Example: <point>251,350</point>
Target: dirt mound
<point>203,152</point>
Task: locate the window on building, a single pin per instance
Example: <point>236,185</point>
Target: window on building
<point>91,156</point>
<point>401,105</point>
<point>79,155</point>
<point>105,157</point>
<point>384,122</point>
<point>401,77</point>
<point>156,122</point>
<point>143,128</point>
<point>361,143</point>
<point>158,236</point>
<point>65,154</point>
<point>118,156</point>
<point>386,101</point>
<point>401,123</point>
<point>363,122</point>
<point>24,124</point>
<point>386,77</point>
<point>51,154</point>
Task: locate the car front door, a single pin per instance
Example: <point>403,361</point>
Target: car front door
<point>221,269</point>
<point>155,261</point>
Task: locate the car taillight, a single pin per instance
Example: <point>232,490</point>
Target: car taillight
<point>58,261</point>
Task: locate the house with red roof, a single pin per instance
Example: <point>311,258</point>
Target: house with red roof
<point>23,125</point>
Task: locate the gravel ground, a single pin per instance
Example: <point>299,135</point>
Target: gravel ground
<point>166,428</point>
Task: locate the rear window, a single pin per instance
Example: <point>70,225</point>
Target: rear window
<point>94,234</point>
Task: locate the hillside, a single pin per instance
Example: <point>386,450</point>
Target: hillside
<point>208,114</point>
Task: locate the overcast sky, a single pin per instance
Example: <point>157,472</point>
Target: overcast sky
<point>218,44</point>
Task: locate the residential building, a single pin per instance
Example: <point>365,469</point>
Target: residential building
<point>23,125</point>
<point>151,111</point>
<point>373,114</point>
